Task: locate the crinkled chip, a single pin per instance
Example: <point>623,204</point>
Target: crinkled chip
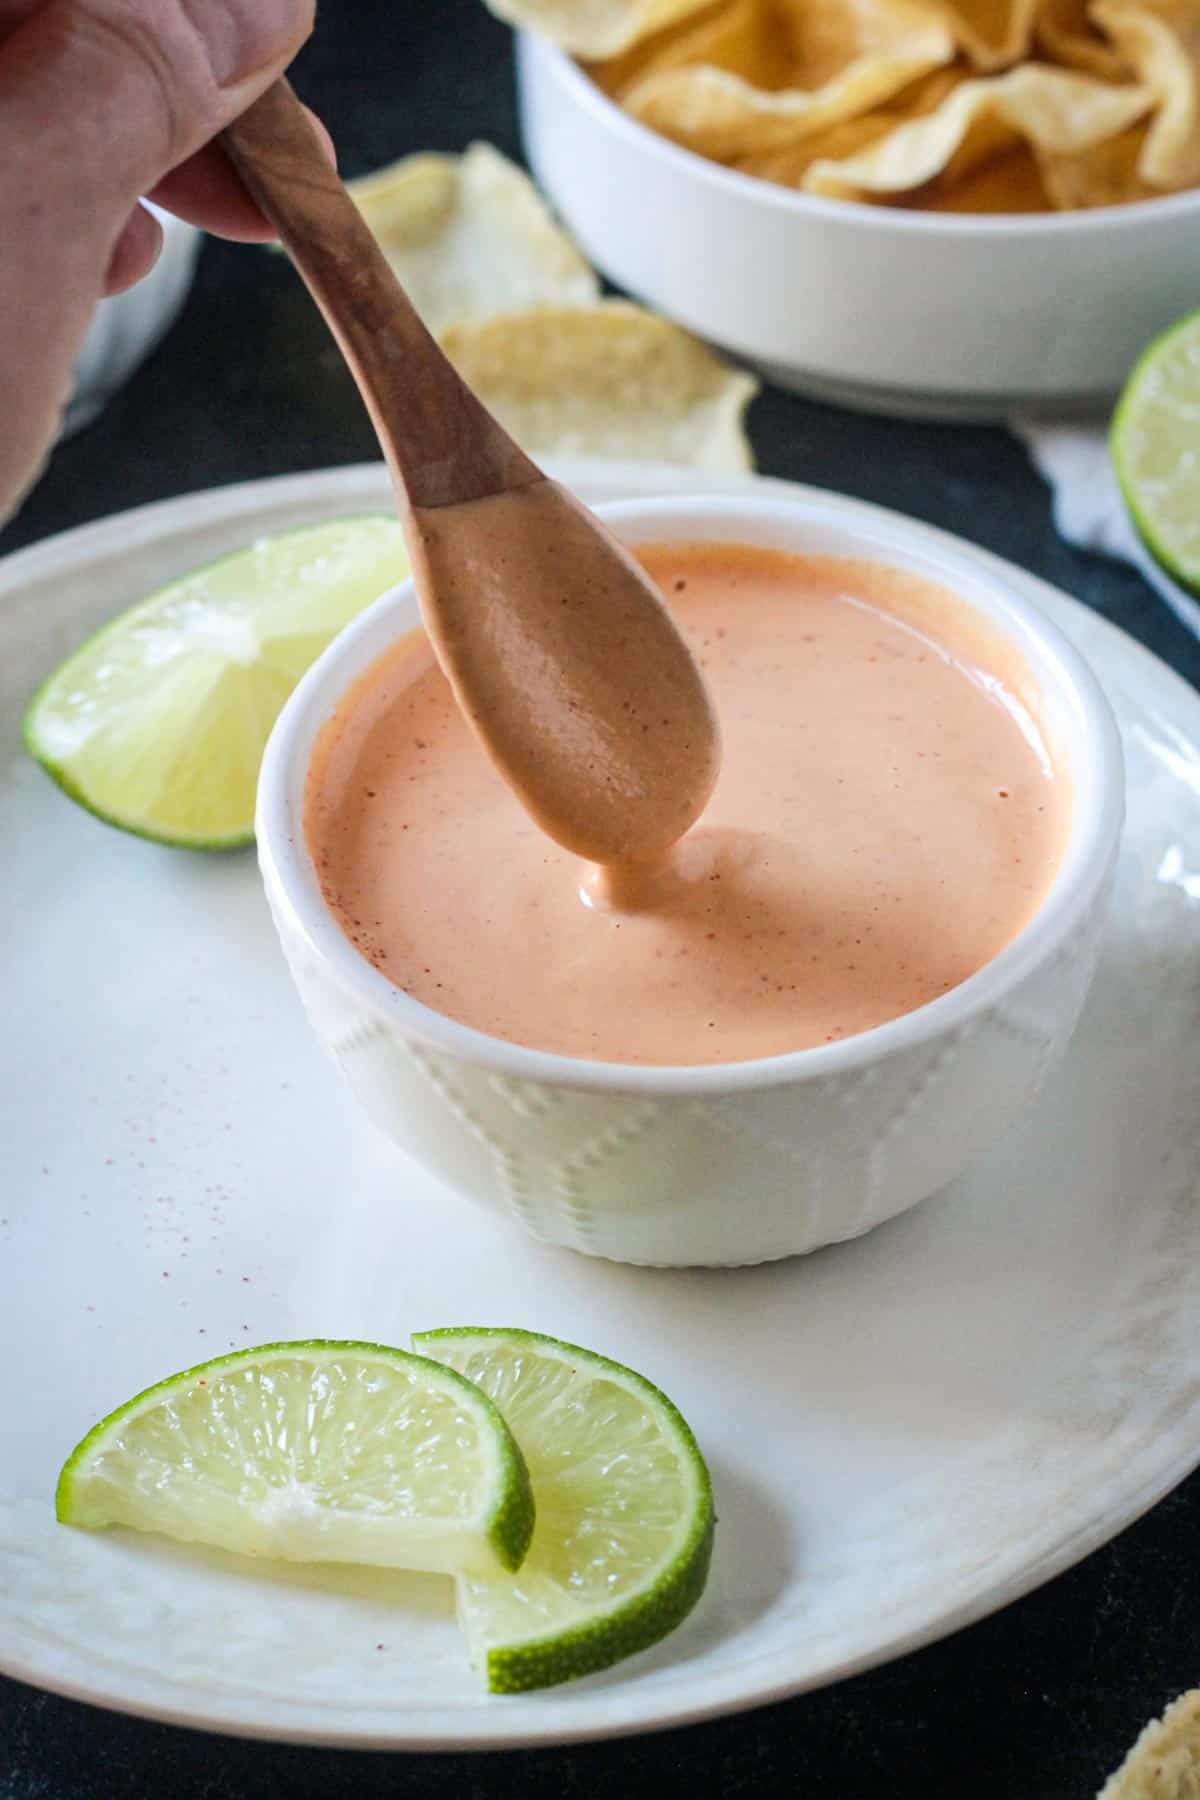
<point>992,34</point>
<point>1013,181</point>
<point>1051,109</point>
<point>823,63</point>
<point>1160,39</point>
<point>1064,33</point>
<point>787,164</point>
<point>594,27</point>
<point>606,380</point>
<point>736,37</point>
<point>1164,1764</point>
<point>1105,175</point>
<point>470,236</point>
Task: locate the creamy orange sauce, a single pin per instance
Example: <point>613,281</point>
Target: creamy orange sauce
<point>886,819</point>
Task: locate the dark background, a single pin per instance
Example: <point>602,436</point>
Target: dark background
<point>1038,1703</point>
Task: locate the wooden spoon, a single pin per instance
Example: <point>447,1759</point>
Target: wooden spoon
<point>557,646</point>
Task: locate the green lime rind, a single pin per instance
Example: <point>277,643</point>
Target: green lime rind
<point>1154,441</point>
<point>635,1626</point>
<point>512,1521</point>
<point>156,724</point>
<point>237,840</point>
<point>505,1526</point>
<point>668,1592</point>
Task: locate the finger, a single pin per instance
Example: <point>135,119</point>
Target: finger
<point>135,252</point>
<point>111,94</point>
<point>99,99</point>
<point>14,13</point>
<point>206,191</point>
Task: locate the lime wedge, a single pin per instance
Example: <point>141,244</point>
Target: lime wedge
<point>313,1452</point>
<point>157,724</point>
<point>1156,449</point>
<point>624,1530</point>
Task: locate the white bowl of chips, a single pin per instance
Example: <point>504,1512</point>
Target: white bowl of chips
<point>908,305</point>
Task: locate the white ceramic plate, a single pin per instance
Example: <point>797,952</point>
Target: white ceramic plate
<point>905,1432</point>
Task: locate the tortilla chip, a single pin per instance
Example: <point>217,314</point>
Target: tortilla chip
<point>1011,182</point>
<point>992,34</point>
<point>1065,34</point>
<point>594,27</point>
<point>792,68</point>
<point>1008,182</point>
<point>1050,109</point>
<point>606,380</point>
<point>1161,41</point>
<point>1164,1764</point>
<point>737,36</point>
<point>788,164</point>
<point>1105,175</point>
<point>470,236</point>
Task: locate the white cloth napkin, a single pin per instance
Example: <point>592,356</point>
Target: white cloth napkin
<point>1088,508</point>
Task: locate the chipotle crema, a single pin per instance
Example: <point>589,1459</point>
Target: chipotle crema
<point>887,818</point>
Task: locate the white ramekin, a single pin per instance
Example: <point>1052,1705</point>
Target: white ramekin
<point>942,315</point>
<point>741,1162</point>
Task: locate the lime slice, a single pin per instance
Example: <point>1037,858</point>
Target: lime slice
<point>624,1531</point>
<point>314,1452</point>
<point>1156,449</point>
<point>157,724</point>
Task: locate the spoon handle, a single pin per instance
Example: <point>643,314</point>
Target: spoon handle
<point>441,443</point>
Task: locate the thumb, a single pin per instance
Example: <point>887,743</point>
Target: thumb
<point>99,99</point>
<point>103,97</point>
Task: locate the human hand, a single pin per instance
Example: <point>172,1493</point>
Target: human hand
<point>103,102</point>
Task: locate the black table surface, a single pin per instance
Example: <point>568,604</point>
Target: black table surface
<point>1037,1703</point>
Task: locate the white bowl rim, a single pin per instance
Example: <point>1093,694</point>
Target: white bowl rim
<point>853,214</point>
<point>1096,815</point>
